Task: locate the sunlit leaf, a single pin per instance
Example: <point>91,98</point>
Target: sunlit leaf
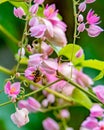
<point>94,64</point>
<point>70,51</point>
<point>2,1</point>
<point>81,98</point>
<point>99,76</point>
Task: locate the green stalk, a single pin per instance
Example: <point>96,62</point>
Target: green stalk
<point>80,88</point>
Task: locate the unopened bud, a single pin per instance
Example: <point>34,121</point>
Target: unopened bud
<point>81,27</point>
<point>82,7</point>
<point>80,18</point>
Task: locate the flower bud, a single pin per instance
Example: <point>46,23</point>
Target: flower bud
<point>34,105</point>
<point>50,124</point>
<point>96,111</point>
<point>45,103</point>
<point>38,1</point>
<point>89,1</point>
<point>82,6</point>
<point>64,113</point>
<point>33,21</point>
<point>90,123</point>
<point>99,91</point>
<point>22,104</point>
<point>20,117</point>
<point>21,52</point>
<point>33,9</point>
<point>79,53</point>
<point>19,12</point>
<point>81,27</point>
<point>51,98</point>
<point>80,18</point>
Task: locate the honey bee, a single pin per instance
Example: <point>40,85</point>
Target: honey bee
<point>37,76</point>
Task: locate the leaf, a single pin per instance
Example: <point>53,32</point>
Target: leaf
<point>94,64</point>
<point>2,1</point>
<point>81,98</point>
<point>70,50</point>
<point>20,4</point>
<point>99,76</point>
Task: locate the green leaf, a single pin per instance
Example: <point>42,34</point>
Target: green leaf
<point>20,4</point>
<point>2,1</point>
<point>70,50</point>
<point>81,98</point>
<point>99,76</point>
<point>94,64</point>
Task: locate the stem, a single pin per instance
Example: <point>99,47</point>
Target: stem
<point>75,32</point>
<point>80,88</point>
<point>43,87</point>
<point>75,27</point>
<point>23,40</point>
<point>7,71</point>
<point>69,99</point>
<point>5,103</point>
<point>3,30</point>
<point>55,108</point>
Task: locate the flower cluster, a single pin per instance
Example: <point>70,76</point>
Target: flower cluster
<point>46,36</point>
<point>92,122</point>
<point>92,20</point>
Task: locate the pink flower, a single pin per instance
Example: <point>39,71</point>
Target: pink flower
<point>65,69</point>
<point>35,60</point>
<point>38,31</point>
<point>89,1</point>
<point>33,22</point>
<point>92,18</point>
<point>38,1</point>
<point>59,38</point>
<point>45,103</point>
<point>49,27</point>
<point>81,27</point>
<point>80,18</point>
<point>94,30</point>
<point>101,125</point>
<point>29,73</point>
<point>33,104</point>
<point>20,117</point>
<point>99,91</point>
<point>90,123</point>
<point>64,113</point>
<point>49,66</point>
<point>19,12</point>
<point>82,6</point>
<point>57,22</point>
<point>96,111</point>
<point>46,49</point>
<point>79,53</point>
<point>12,89</point>
<point>51,98</point>
<point>33,9</point>
<point>50,11</point>
<point>50,124</point>
<point>82,79</point>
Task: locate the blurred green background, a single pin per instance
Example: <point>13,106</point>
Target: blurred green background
<point>93,48</point>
